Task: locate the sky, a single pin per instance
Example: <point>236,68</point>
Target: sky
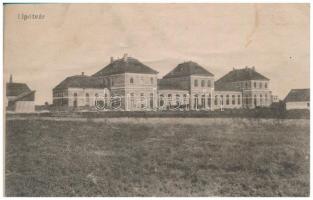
<point>76,38</point>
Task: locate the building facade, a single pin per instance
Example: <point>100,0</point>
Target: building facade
<point>128,84</point>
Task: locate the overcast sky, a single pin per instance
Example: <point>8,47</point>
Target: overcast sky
<point>75,38</point>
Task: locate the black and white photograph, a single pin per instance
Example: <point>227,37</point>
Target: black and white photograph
<point>156,100</point>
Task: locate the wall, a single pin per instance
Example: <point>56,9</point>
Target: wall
<point>24,106</point>
<point>298,105</point>
<point>221,101</point>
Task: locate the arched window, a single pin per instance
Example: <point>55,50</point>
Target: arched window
<point>227,99</point>
<point>233,99</point>
<point>196,83</point>
<point>203,101</point>
<point>87,99</point>
<point>131,80</point>
<point>142,99</point>
<point>169,99</point>
<point>161,100</point>
<point>196,101</point>
<point>215,100</point>
<point>209,100</point>
<point>151,100</point>
<point>222,100</point>
<point>209,83</point>
<point>75,100</point>
<point>202,83</point>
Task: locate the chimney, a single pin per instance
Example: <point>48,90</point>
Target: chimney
<point>112,59</point>
<point>125,56</point>
<point>11,78</point>
<point>83,74</point>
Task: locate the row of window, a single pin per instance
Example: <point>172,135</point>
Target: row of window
<point>203,83</point>
<point>247,84</point>
<point>132,80</point>
<point>229,99</point>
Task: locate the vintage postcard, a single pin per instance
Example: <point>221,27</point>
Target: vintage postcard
<point>163,100</point>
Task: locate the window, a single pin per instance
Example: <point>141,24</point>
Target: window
<point>255,100</point>
<point>233,99</point>
<point>246,84</point>
<point>209,83</point>
<point>142,98</point>
<point>132,100</point>
<point>169,99</point>
<point>196,83</point>
<point>87,99</point>
<point>261,99</point>
<point>196,102</point>
<point>75,100</point>
<point>222,100</point>
<point>265,85</point>
<point>215,100</point>
<point>308,104</point>
<point>227,99</point>
<point>260,85</point>
<point>202,83</point>
<point>161,100</point>
<point>254,84</point>
<point>151,80</point>
<point>203,101</point>
<point>265,99</point>
<point>177,99</point>
<point>151,100</point>
<point>131,80</point>
<point>239,100</point>
<point>209,100</point>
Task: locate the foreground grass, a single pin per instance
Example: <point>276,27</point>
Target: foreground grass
<point>241,158</point>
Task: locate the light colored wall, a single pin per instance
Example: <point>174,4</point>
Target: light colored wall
<point>81,95</point>
<point>145,84</point>
<point>24,106</point>
<point>297,105</point>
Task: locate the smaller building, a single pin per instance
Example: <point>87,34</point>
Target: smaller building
<point>20,98</point>
<point>298,99</point>
<point>80,91</point>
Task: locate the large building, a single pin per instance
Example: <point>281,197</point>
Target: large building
<point>20,98</point>
<point>128,84</point>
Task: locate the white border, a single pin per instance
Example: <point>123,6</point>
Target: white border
<point>143,1</point>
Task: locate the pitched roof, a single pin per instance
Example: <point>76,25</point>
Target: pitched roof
<point>296,95</point>
<point>15,89</point>
<point>244,74</point>
<point>26,96</point>
<point>225,87</point>
<point>165,84</point>
<point>187,69</point>
<point>127,65</point>
<point>80,81</point>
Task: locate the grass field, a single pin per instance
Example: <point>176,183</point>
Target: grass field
<point>157,157</point>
